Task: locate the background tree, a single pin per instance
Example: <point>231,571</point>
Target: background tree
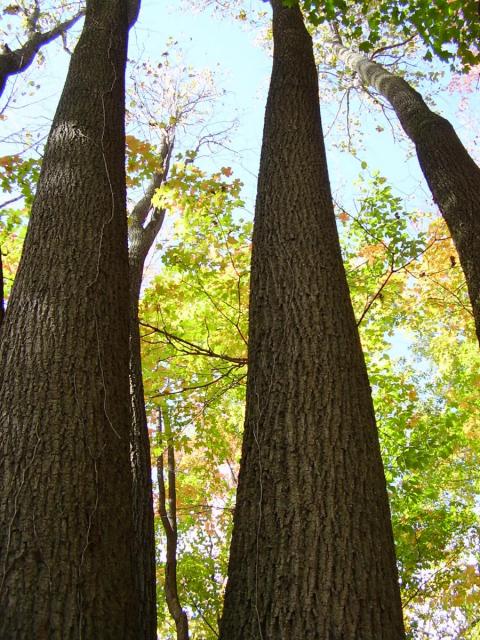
<point>201,294</point>
<point>166,105</point>
<point>167,508</point>
<point>64,374</point>
<point>141,239</point>
<point>451,173</point>
<point>400,281</point>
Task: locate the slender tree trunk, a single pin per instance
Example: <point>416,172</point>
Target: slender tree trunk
<point>312,553</point>
<point>450,172</point>
<point>168,514</point>
<point>66,552</point>
<point>141,239</point>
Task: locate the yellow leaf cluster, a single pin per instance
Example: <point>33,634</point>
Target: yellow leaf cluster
<point>372,251</point>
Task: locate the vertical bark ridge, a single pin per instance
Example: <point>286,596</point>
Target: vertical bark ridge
<point>450,172</point>
<point>144,529</point>
<point>2,291</point>
<point>312,553</point>
<point>66,562</point>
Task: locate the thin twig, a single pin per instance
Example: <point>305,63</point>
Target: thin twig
<point>197,349</point>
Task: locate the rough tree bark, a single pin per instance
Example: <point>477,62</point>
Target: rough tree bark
<point>2,292</point>
<point>450,172</point>
<point>66,552</point>
<point>15,61</point>
<point>142,234</point>
<point>312,553</point>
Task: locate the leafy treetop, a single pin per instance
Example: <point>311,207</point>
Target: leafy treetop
<point>449,28</point>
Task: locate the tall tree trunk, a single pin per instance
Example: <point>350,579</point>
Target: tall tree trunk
<point>66,559</point>
<point>312,553</point>
<point>450,172</point>
<point>141,238</point>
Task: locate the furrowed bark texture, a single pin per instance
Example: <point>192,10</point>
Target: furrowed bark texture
<point>312,553</point>
<point>141,239</point>
<point>2,293</point>
<point>66,560</point>
<point>144,531</point>
<point>450,172</point>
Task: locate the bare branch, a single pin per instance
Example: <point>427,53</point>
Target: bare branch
<point>395,45</point>
<point>195,348</point>
<point>194,387</point>
<point>11,201</point>
<point>14,62</point>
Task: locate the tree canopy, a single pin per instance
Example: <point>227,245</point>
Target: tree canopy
<point>188,203</point>
<point>449,28</point>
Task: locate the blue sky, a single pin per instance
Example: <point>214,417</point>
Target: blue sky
<point>243,66</point>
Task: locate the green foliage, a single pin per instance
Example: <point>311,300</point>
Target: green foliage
<point>379,243</point>
<point>194,354</point>
<point>425,395</point>
<point>406,286</point>
<point>404,271</point>
<point>19,175</point>
<point>18,178</point>
<point>449,28</point>
<point>12,233</point>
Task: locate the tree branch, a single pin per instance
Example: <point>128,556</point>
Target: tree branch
<point>11,201</point>
<point>14,62</point>
<point>144,205</point>
<point>395,45</point>
<point>375,296</point>
<point>391,271</point>
<point>32,20</point>
<point>202,615</point>
<point>194,387</point>
<point>133,11</point>
<point>196,349</point>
